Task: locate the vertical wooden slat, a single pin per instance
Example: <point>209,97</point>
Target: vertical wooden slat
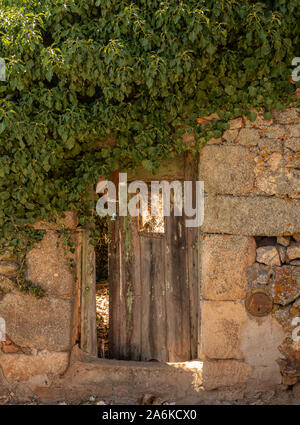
<point>125,287</point>
<point>177,291</point>
<point>88,340</point>
<point>145,298</point>
<point>193,279</point>
<point>154,341</point>
<point>124,302</point>
<point>192,257</point>
<point>114,280</point>
<point>134,294</point>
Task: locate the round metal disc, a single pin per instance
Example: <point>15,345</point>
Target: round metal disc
<point>259,303</point>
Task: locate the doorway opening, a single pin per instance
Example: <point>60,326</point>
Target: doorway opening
<point>147,282</point>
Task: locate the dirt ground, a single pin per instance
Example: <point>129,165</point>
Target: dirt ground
<point>268,398</point>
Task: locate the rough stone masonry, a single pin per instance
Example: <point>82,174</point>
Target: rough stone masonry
<point>250,242</point>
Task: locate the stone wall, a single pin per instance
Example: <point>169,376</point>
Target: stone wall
<point>250,242</point>
<point>40,332</point>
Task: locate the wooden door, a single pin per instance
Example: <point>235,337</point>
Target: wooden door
<point>154,294</point>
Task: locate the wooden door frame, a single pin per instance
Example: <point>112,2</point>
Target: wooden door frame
<point>88,326</point>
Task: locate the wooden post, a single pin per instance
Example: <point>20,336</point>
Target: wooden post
<point>193,235</point>
<point>88,340</point>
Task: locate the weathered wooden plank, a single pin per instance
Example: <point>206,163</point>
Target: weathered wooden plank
<point>115,269</point>
<point>125,320</point>
<point>192,258</point>
<point>134,293</point>
<point>122,319</point>
<point>126,315</point>
<point>88,340</point>
<point>192,238</point>
<point>146,289</point>
<point>154,336</point>
<point>177,291</point>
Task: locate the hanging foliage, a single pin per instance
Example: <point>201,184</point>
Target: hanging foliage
<point>96,85</point>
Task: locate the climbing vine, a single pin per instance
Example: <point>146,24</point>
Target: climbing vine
<point>96,85</point>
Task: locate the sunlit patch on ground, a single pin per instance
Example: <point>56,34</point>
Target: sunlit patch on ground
<point>102,311</point>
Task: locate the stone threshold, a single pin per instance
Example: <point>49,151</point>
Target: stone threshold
<point>89,376</point>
